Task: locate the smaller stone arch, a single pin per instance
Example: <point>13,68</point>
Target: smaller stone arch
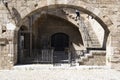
<point>23,28</point>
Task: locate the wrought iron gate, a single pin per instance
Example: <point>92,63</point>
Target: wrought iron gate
<point>29,55</point>
<point>47,56</point>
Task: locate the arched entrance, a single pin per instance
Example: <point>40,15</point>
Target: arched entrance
<point>60,41</point>
<point>48,43</point>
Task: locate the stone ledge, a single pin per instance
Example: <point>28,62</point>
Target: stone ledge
<point>3,41</point>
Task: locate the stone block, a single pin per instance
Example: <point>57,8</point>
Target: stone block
<point>107,10</point>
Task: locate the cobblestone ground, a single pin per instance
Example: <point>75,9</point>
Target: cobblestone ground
<point>60,74</point>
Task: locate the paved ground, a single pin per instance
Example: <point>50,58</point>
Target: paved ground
<point>64,72</point>
<point>60,74</point>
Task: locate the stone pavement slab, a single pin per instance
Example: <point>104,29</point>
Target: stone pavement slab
<point>60,74</point>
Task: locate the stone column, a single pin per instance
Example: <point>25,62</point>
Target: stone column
<point>115,44</point>
<point>11,46</point>
<point>109,51</point>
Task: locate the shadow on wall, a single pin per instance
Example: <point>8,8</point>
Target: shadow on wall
<point>59,26</point>
<point>16,15</point>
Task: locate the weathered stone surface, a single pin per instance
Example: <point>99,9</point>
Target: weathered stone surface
<point>107,11</point>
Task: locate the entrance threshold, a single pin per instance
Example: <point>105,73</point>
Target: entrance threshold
<point>52,67</point>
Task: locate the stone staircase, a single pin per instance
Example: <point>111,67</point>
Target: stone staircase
<point>94,40</point>
<point>89,37</point>
<point>96,57</point>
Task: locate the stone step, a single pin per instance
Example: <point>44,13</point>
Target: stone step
<point>93,38</point>
<point>90,46</point>
<point>93,46</point>
<point>95,42</point>
<point>88,57</point>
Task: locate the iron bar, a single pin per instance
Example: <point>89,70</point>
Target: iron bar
<point>30,29</point>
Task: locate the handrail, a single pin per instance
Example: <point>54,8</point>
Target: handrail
<point>85,31</point>
<point>83,28</point>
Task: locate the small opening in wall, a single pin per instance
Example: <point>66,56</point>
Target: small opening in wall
<point>3,29</point>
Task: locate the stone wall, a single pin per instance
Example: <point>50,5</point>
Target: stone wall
<point>115,44</point>
<point>7,51</point>
<point>107,10</point>
<point>5,57</point>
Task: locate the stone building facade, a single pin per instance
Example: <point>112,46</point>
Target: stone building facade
<point>32,29</point>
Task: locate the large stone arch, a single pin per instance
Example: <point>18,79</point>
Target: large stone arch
<point>103,20</point>
<point>96,13</point>
<point>46,4</point>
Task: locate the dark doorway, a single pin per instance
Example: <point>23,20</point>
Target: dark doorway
<point>60,41</point>
<point>23,45</point>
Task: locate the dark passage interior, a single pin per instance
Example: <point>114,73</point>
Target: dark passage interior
<point>47,43</point>
<point>60,41</point>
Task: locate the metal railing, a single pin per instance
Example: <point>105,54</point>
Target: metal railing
<point>83,29</point>
<point>38,56</point>
<point>85,32</point>
<point>75,56</point>
<point>47,55</point>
